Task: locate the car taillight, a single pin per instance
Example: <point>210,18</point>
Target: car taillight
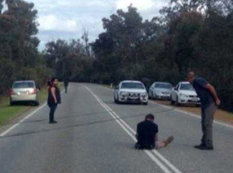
<point>12,92</point>
<point>34,91</point>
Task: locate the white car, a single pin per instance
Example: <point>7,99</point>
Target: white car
<point>131,92</point>
<point>160,90</point>
<point>24,91</point>
<point>184,93</point>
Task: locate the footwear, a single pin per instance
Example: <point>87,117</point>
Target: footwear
<point>203,147</point>
<point>53,122</point>
<point>168,140</point>
<point>199,146</point>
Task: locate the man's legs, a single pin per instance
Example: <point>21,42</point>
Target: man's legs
<point>203,127</point>
<point>162,144</point>
<point>207,123</point>
<point>65,89</point>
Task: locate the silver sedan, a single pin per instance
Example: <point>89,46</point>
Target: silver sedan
<point>24,91</point>
<point>160,90</point>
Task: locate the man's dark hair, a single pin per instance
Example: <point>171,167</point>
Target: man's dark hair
<point>150,117</point>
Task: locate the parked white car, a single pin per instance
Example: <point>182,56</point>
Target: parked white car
<point>160,90</point>
<point>131,92</point>
<point>184,93</point>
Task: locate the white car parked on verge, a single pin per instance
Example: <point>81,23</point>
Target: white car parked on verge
<point>184,93</point>
<point>131,91</point>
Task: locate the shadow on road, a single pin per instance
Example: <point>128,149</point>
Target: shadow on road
<point>79,125</point>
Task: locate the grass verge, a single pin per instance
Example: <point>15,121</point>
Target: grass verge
<point>219,115</point>
<point>8,113</point>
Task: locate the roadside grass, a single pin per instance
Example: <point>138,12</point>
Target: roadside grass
<point>219,115</point>
<point>8,113</point>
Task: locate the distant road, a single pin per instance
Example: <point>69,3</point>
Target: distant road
<point>95,135</point>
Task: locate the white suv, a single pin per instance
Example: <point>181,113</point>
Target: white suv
<point>184,93</point>
<point>131,91</point>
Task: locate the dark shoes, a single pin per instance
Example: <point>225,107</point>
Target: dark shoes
<point>53,122</point>
<point>203,147</point>
<point>168,140</point>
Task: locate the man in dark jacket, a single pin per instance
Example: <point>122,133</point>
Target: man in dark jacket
<point>209,102</point>
<point>147,135</point>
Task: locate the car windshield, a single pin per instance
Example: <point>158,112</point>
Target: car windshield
<point>23,85</point>
<point>186,87</point>
<point>131,85</point>
<point>163,85</point>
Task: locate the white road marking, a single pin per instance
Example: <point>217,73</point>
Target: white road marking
<point>18,123</point>
<point>188,113</point>
<point>22,120</point>
<point>163,166</point>
<point>192,115</point>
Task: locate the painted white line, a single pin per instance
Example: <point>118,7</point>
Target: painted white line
<point>131,133</point>
<point>22,120</point>
<point>193,115</point>
<point>154,151</point>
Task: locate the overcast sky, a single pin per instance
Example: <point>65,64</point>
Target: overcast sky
<point>67,19</point>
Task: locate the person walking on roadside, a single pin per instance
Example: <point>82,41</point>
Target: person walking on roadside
<point>147,135</point>
<point>54,98</point>
<point>209,102</point>
<point>66,84</point>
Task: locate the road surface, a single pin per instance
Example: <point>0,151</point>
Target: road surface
<point>94,135</point>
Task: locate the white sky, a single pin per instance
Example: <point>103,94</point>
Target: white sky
<point>67,19</point>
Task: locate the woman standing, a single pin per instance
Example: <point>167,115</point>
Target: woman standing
<point>54,98</point>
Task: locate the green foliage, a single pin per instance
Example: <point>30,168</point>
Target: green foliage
<point>71,61</point>
<point>19,57</point>
<point>189,35</point>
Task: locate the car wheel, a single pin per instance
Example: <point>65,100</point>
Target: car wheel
<point>116,100</point>
<point>149,95</point>
<point>154,97</point>
<point>37,103</point>
<point>177,102</point>
<point>172,102</point>
<point>145,103</point>
<point>11,103</point>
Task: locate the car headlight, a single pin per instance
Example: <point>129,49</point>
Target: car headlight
<point>183,95</point>
<point>157,92</point>
<point>144,94</point>
<point>122,93</point>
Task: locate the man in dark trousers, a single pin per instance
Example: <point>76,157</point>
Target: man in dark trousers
<point>66,84</point>
<point>147,135</point>
<point>209,102</point>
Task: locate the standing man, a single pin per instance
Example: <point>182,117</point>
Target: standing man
<point>66,83</point>
<point>147,135</point>
<point>209,102</point>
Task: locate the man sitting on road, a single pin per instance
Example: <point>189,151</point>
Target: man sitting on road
<point>147,135</point>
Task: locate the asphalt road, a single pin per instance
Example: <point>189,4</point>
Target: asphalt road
<point>94,135</point>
